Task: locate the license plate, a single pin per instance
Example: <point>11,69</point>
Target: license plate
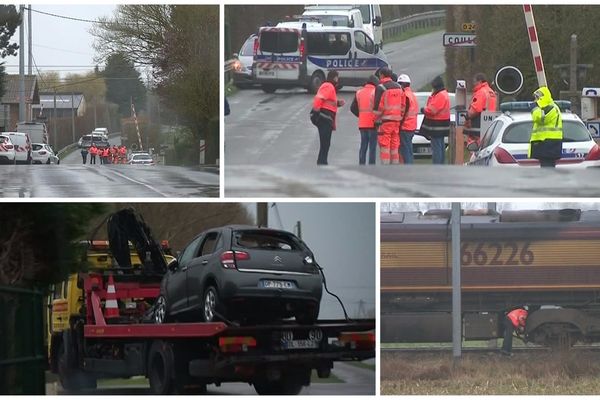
<point>423,150</point>
<point>300,344</point>
<point>277,284</point>
<point>266,73</point>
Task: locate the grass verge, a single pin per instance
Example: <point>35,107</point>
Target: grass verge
<point>574,373</point>
<point>412,33</point>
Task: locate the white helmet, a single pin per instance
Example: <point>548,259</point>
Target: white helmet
<point>403,78</point>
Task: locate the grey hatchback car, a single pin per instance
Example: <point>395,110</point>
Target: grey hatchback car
<point>241,273</point>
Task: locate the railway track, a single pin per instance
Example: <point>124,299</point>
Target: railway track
<point>481,350</point>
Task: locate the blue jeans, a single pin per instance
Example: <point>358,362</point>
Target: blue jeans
<point>368,140</point>
<point>406,148</point>
<point>438,149</point>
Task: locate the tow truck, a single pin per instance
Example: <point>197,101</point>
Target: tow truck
<point>102,327</point>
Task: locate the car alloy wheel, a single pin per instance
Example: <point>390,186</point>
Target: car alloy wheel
<point>160,312</point>
<point>210,304</point>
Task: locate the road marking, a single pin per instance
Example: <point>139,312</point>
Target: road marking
<point>140,183</point>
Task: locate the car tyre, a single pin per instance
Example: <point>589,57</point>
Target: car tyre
<point>161,310</point>
<point>285,385</point>
<point>269,88</point>
<point>211,305</point>
<point>161,367</point>
<point>71,378</point>
<point>307,315</point>
<point>316,80</point>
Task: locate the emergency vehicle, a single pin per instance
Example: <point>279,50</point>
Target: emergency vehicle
<point>300,54</point>
<point>101,325</point>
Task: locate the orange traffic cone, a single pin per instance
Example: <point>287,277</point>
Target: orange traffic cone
<point>111,307</point>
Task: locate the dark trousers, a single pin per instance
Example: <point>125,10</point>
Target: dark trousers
<point>508,335</point>
<point>84,156</point>
<point>368,140</point>
<point>93,159</point>
<point>406,148</point>
<point>325,130</point>
<point>547,163</point>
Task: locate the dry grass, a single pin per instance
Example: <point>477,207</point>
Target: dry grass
<point>491,374</point>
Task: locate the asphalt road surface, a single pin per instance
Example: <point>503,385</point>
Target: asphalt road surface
<point>71,178</point>
<point>357,381</point>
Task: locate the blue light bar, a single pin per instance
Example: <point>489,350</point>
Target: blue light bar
<point>527,106</point>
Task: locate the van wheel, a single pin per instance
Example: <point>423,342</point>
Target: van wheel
<point>269,88</point>
<point>71,378</point>
<point>316,80</point>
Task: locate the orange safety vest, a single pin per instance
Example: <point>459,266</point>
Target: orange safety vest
<point>93,150</point>
<point>518,317</point>
<point>122,150</point>
<point>326,98</point>
<point>105,153</point>
<point>410,119</point>
<point>392,103</point>
<point>484,99</point>
<point>365,98</point>
<point>438,106</point>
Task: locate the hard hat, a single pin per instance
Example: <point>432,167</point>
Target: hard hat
<point>403,78</point>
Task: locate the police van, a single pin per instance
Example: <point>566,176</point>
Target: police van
<point>300,54</point>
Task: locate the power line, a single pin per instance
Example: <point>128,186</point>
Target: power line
<point>64,16</point>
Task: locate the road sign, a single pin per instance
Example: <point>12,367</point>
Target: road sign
<point>487,117</point>
<point>460,40</point>
<point>594,128</point>
<point>469,26</point>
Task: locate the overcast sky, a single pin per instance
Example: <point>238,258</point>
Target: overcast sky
<point>342,237</point>
<point>59,43</point>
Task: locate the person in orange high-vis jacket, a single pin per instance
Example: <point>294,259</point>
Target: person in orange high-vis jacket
<point>514,321</point>
<point>323,113</point>
<point>436,120</point>
<point>93,153</point>
<point>484,99</point>
<point>106,155</point>
<point>389,110</point>
<point>362,106</point>
<point>122,154</point>
<point>409,123</point>
<point>114,154</point>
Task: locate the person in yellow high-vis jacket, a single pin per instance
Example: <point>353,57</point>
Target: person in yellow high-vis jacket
<point>545,143</point>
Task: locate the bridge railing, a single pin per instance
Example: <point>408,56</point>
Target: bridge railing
<point>424,20</point>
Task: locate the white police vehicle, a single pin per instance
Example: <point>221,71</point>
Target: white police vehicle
<point>300,54</point>
<point>505,143</point>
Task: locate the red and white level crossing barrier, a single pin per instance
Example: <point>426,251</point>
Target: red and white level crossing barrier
<point>535,45</point>
<point>137,128</point>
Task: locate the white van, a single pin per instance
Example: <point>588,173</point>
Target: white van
<point>22,144</point>
<point>294,54</point>
<point>38,133</point>
<point>342,15</point>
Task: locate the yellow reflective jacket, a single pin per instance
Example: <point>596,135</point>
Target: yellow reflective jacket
<point>547,119</point>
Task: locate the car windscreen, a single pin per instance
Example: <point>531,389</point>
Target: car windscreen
<point>333,20</point>
<point>520,132</point>
<point>248,47</point>
<point>269,240</point>
<point>279,42</point>
<point>36,146</point>
<point>141,157</point>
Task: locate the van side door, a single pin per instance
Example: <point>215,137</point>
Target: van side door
<point>366,57</point>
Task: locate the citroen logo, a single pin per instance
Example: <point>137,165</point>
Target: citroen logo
<point>277,259</point>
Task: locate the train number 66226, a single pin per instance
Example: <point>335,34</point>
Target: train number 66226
<point>496,253</point>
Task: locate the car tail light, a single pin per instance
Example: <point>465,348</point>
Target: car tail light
<point>229,258</point>
<point>302,48</point>
<point>358,340</point>
<point>594,154</point>
<point>503,156</point>
<point>255,46</point>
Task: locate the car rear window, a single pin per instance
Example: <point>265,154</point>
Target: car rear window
<point>279,42</point>
<point>573,131</point>
<point>248,47</point>
<point>37,146</point>
<point>332,20</point>
<point>265,240</point>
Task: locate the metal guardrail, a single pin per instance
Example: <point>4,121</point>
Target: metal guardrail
<point>65,151</point>
<point>416,21</point>
<point>22,355</point>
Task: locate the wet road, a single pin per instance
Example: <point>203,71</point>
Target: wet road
<point>287,180</point>
<point>357,381</point>
<point>111,181</point>
<point>270,134</point>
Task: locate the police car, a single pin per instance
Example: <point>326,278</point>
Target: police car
<point>300,54</point>
<point>505,143</point>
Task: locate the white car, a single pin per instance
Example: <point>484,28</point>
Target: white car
<point>7,150</point>
<point>422,145</point>
<point>506,143</point>
<point>141,159</point>
<point>242,66</point>
<point>42,153</point>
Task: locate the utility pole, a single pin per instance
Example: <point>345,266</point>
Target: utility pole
<point>73,115</point>
<point>572,71</point>
<point>54,133</point>
<point>30,63</point>
<point>262,215</point>
<point>456,285</point>
<point>21,65</point>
